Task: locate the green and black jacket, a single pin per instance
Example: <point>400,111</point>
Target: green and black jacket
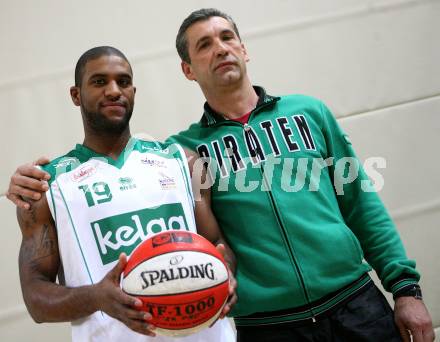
<point>304,241</point>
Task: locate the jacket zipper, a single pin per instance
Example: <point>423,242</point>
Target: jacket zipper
<point>282,229</point>
<point>277,215</point>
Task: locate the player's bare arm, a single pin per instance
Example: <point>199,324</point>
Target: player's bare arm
<point>47,301</point>
<point>208,227</point>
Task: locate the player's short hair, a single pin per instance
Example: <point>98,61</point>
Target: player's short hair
<point>95,53</point>
<point>196,16</point>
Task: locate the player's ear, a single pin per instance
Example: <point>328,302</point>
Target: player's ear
<point>187,71</point>
<point>75,95</point>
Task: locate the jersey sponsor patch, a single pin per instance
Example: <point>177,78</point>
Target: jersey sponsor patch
<point>123,232</point>
<point>126,183</point>
<point>167,182</point>
<point>83,172</point>
<point>154,162</point>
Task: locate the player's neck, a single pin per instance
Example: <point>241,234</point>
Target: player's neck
<point>233,102</point>
<point>109,145</point>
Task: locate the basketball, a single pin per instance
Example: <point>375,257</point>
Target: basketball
<point>181,279</point>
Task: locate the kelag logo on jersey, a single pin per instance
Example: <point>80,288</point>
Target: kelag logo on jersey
<point>122,233</point>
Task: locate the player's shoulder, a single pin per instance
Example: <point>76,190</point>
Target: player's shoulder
<point>62,164</point>
<point>146,143</point>
<point>168,147</point>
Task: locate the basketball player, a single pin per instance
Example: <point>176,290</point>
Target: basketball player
<point>105,197</point>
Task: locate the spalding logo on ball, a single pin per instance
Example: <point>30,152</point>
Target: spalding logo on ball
<point>181,279</point>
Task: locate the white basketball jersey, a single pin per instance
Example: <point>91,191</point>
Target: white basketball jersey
<point>103,207</point>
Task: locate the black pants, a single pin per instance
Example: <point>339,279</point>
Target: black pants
<point>366,317</point>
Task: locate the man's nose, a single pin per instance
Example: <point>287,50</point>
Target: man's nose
<point>112,89</point>
<point>220,48</point>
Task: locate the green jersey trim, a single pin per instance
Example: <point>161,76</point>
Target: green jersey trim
<point>82,154</point>
<point>185,172</point>
<point>187,182</point>
<point>53,206</point>
<point>76,234</point>
<point>118,162</point>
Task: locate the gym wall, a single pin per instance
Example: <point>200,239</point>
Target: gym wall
<point>375,64</point>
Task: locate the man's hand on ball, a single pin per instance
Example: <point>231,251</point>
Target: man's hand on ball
<point>110,299</point>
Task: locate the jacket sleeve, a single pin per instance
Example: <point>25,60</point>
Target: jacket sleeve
<point>364,212</point>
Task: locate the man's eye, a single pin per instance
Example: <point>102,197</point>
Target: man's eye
<point>203,45</point>
<point>99,81</point>
<point>124,82</point>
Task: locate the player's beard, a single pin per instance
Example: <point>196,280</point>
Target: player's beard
<point>98,123</point>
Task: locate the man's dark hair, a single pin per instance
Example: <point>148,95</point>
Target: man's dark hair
<point>199,15</point>
<point>95,53</point>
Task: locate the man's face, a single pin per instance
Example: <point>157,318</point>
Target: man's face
<point>218,58</point>
<point>106,95</point>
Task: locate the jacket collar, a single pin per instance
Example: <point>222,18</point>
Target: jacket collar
<point>211,117</point>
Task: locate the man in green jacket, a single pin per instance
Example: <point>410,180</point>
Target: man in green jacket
<point>294,204</point>
<point>304,231</point>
